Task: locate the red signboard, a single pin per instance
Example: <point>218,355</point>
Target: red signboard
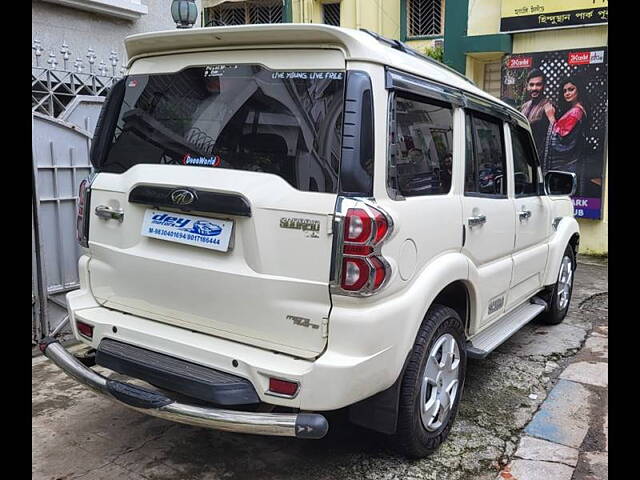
<point>579,58</point>
<point>520,62</point>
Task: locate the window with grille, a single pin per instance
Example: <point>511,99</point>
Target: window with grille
<point>491,82</point>
<point>424,17</point>
<point>331,14</point>
<point>243,13</point>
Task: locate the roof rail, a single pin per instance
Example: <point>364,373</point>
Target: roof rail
<point>403,47</point>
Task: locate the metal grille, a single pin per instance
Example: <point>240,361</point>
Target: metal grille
<point>53,88</point>
<point>331,14</point>
<point>244,13</point>
<point>424,17</point>
<point>66,99</point>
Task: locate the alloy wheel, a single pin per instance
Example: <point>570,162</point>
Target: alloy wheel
<point>440,382</point>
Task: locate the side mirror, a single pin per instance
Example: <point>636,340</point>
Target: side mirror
<point>560,183</point>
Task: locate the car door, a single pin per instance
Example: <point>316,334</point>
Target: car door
<point>421,175</point>
<point>487,215</point>
<point>532,217</point>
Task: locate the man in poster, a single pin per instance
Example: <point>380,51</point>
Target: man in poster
<point>539,110</point>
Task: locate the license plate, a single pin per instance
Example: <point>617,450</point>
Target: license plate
<point>187,229</point>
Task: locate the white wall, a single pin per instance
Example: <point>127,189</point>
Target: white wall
<point>52,24</point>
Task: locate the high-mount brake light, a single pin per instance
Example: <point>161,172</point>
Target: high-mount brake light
<point>82,218</point>
<point>363,269</point>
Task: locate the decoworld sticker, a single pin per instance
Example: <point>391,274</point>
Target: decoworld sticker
<point>202,161</point>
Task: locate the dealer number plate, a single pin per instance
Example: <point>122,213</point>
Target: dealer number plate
<point>197,231</point>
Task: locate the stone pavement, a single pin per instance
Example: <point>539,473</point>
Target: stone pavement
<point>76,434</point>
<point>567,439</point>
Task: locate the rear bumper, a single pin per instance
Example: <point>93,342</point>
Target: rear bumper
<point>337,379</point>
<point>302,425</point>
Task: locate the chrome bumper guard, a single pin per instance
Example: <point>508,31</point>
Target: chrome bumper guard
<point>301,425</point>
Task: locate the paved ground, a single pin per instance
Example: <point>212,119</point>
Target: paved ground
<point>504,429</point>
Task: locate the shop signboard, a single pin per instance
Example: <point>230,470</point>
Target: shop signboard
<point>521,15</point>
<point>564,96</point>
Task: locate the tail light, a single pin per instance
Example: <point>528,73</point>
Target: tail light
<point>83,212</point>
<point>362,268</point>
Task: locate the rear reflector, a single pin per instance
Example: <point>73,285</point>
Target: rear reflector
<point>282,387</point>
<point>85,329</point>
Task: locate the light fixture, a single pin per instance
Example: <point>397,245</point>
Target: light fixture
<point>184,13</point>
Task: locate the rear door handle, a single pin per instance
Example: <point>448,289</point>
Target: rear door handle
<point>524,214</point>
<point>107,213</point>
<point>477,220</point>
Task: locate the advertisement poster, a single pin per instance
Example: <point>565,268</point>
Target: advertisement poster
<point>521,15</point>
<point>564,96</point>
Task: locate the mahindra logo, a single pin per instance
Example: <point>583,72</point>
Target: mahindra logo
<point>182,197</point>
<point>520,62</point>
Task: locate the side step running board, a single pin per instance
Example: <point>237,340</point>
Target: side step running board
<point>483,343</point>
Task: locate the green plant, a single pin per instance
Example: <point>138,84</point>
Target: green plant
<point>437,53</point>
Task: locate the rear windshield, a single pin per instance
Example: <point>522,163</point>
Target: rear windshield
<point>241,117</point>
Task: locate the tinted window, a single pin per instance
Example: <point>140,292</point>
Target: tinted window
<point>241,117</point>
<point>422,143</point>
<point>485,160</point>
<point>525,165</point>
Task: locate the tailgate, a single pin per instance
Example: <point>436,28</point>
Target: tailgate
<point>226,175</point>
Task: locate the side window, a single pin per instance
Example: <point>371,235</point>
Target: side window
<point>485,158</point>
<point>525,163</point>
<point>423,143</point>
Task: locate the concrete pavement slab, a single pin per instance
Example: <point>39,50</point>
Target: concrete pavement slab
<point>590,373</point>
<point>531,448</point>
<point>596,465</point>
<point>563,417</point>
<point>535,470</point>
<point>598,345</point>
<point>543,340</point>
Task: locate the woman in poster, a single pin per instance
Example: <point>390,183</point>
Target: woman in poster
<point>566,137</point>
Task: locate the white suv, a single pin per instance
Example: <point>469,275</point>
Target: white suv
<point>293,219</point>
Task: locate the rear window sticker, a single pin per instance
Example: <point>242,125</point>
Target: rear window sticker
<point>307,75</point>
<point>202,161</point>
<point>218,70</point>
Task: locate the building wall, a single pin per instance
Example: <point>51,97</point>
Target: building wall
<point>484,17</point>
<point>381,16</point>
<point>484,23</point>
<point>54,24</point>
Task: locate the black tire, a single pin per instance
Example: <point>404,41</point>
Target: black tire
<point>555,314</point>
<point>412,438</point>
